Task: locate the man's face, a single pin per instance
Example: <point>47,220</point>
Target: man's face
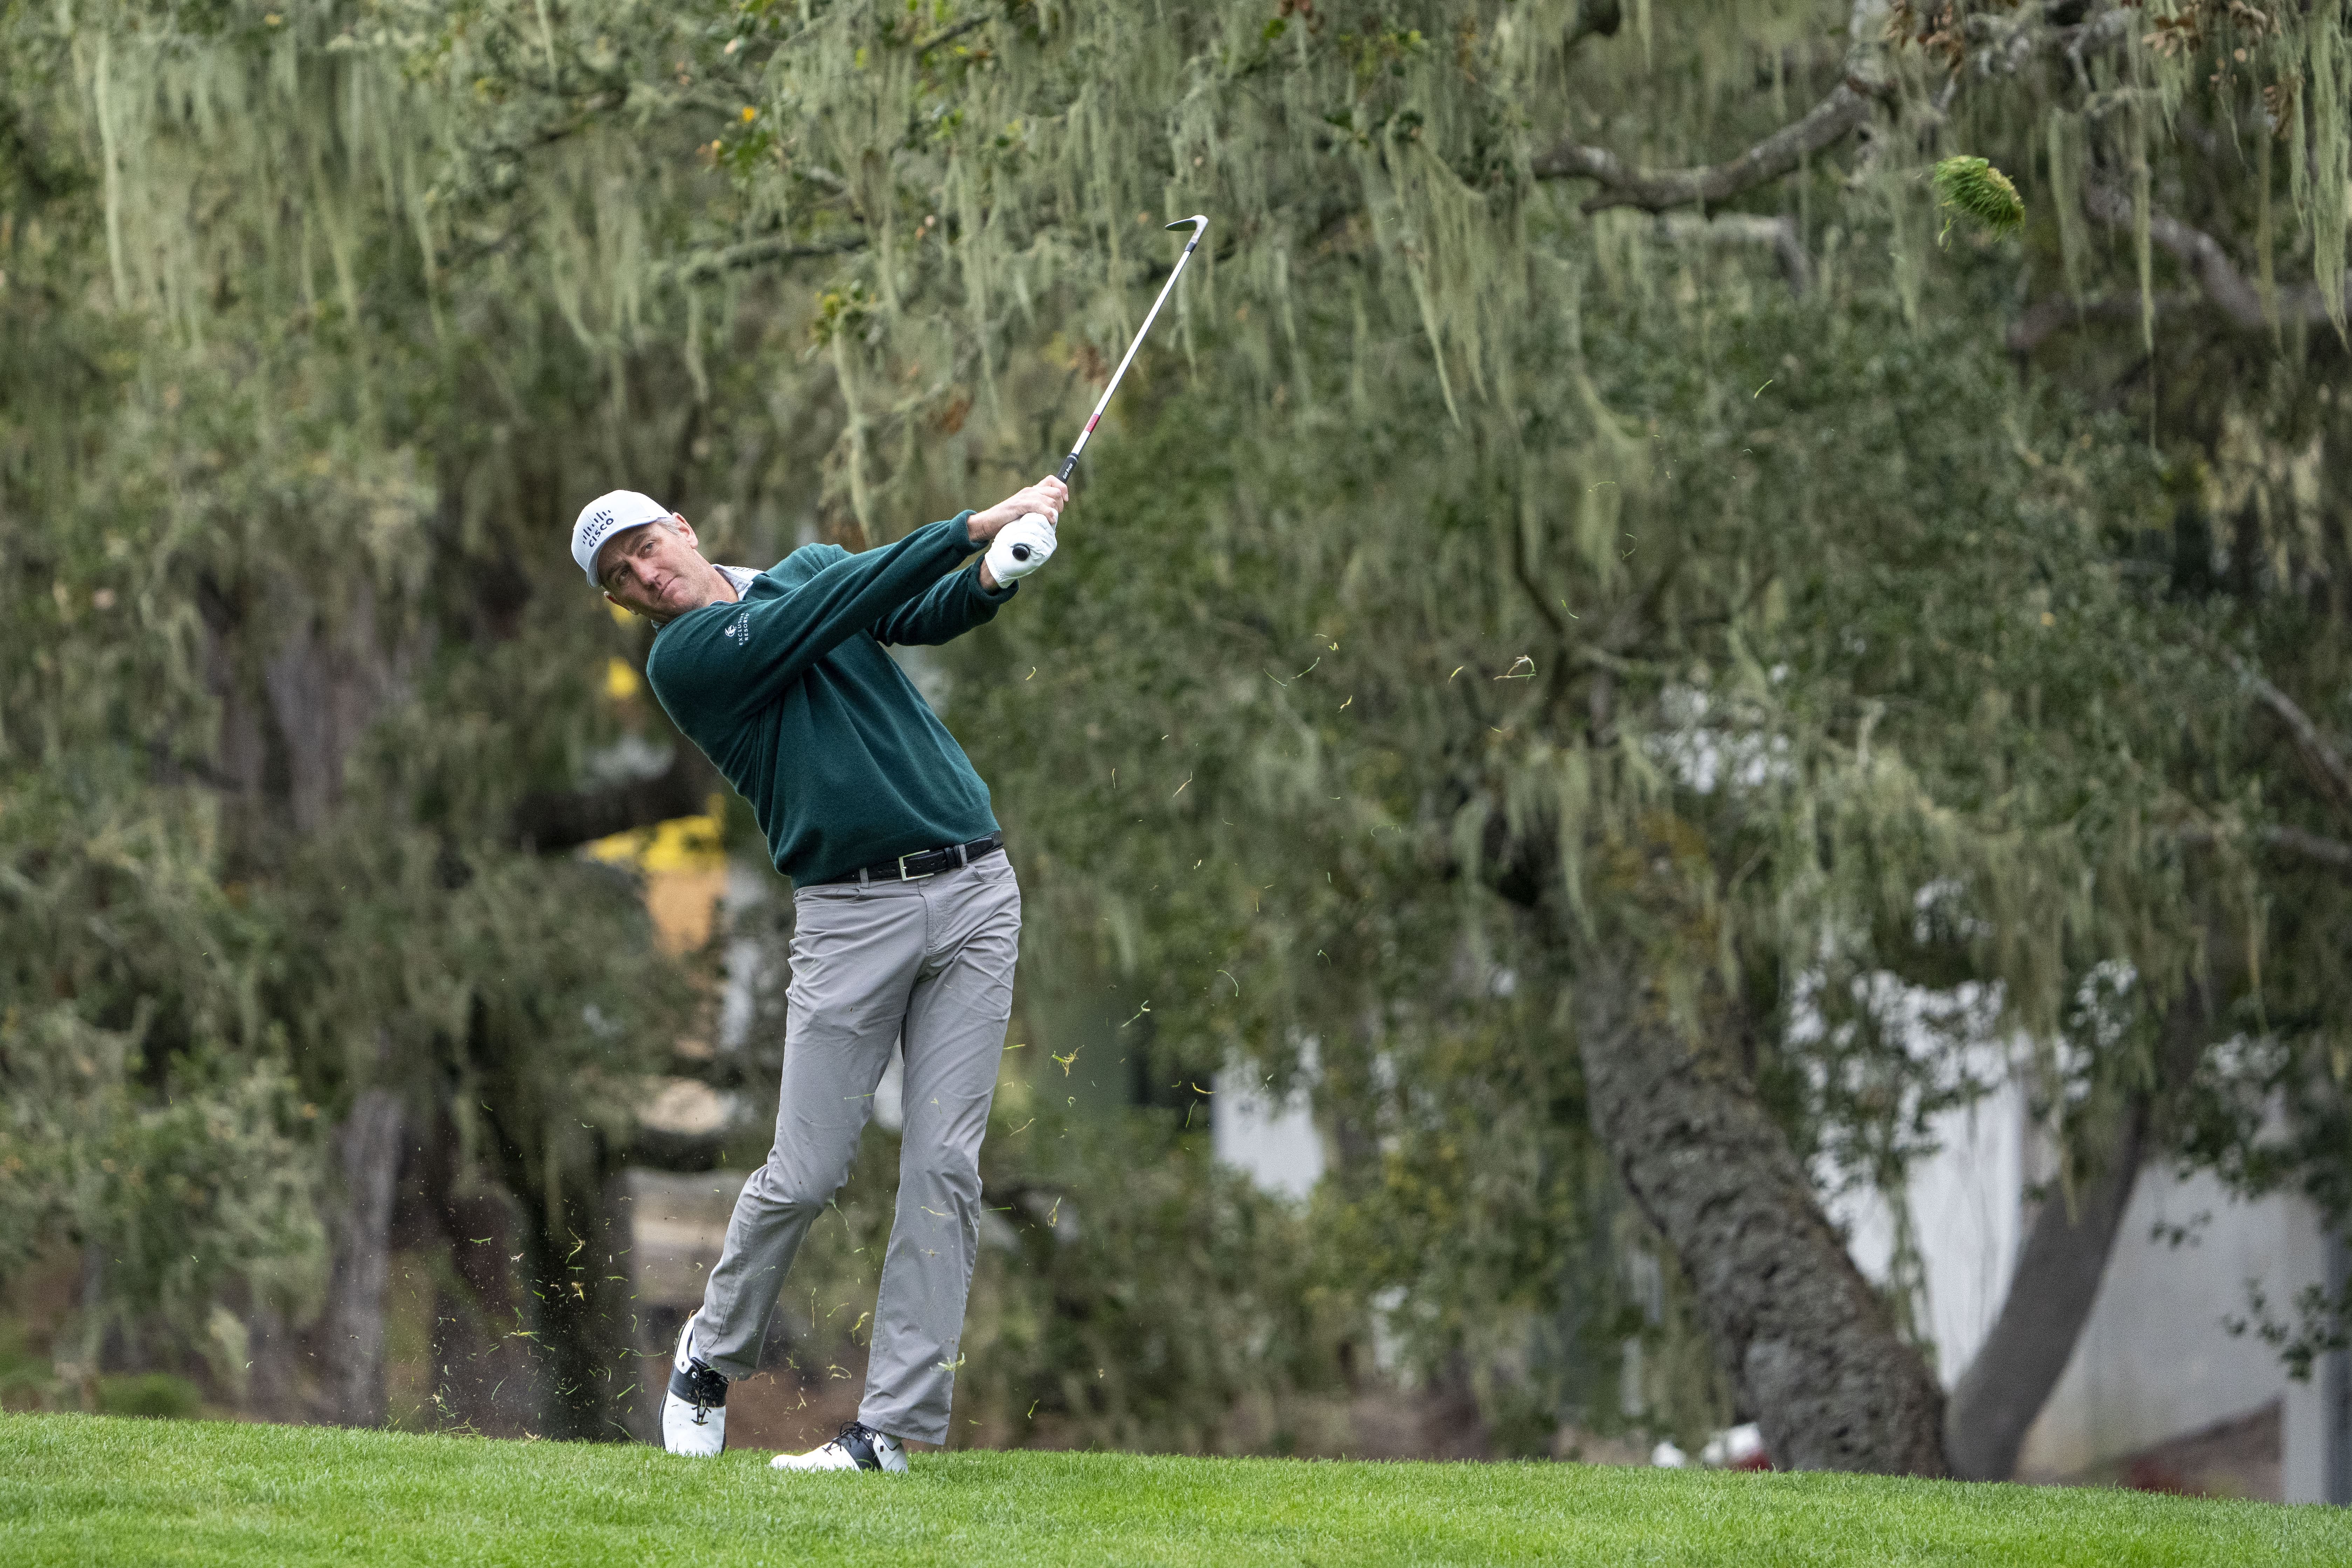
<point>656,570</point>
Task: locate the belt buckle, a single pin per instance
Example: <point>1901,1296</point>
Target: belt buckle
<point>922,877</point>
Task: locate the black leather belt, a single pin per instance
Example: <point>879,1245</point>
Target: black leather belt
<point>922,863</point>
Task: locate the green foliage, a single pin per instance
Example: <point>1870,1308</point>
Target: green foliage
<point>1351,719</point>
<point>151,1110</point>
<point>1974,188</point>
<point>174,1199</point>
<point>263,733</point>
<point>1153,1295</point>
<point>152,1393</point>
<point>1484,539</point>
<point>1451,550</point>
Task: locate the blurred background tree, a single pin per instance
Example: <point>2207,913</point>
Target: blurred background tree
<point>1572,622</point>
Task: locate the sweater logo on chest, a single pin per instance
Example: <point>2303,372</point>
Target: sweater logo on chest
<point>740,629</point>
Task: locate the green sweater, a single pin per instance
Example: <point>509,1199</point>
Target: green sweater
<point>789,694</point>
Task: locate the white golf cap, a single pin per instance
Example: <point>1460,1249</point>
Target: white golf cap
<point>614,511</point>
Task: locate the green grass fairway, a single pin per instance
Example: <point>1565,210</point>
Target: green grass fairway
<point>86,1489</point>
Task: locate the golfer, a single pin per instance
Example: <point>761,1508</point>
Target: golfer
<point>907,917</point>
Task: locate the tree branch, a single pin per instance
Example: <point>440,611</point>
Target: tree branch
<point>2050,316</point>
<point>2332,853</point>
<point>2048,1301</point>
<point>1751,228</point>
<point>952,34</point>
<point>2199,253</point>
<point>2003,44</point>
<point>1600,17</point>
<point>2059,1268</point>
<point>2319,755</point>
<point>2323,759</point>
<point>702,266</point>
<point>2203,259</point>
<point>2109,30</point>
<point>2004,47</point>
<point>549,822</point>
<point>2329,852</point>
<point>1827,123</point>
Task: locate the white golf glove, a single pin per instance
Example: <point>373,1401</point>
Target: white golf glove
<point>1020,547</point>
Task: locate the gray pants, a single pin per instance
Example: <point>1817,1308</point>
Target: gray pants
<point>931,962</point>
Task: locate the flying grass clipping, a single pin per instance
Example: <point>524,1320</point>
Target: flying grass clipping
<point>1973,187</point>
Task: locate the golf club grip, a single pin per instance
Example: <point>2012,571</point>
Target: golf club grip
<point>1069,467</point>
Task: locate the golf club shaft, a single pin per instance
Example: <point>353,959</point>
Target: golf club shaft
<point>1198,222</point>
<point>1069,464</point>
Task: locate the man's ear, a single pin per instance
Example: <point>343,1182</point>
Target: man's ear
<point>686,531</point>
<point>617,605</point>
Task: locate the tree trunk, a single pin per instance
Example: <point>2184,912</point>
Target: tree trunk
<point>351,1333</point>
<point>580,1316</point>
<point>485,1378</point>
<point>2059,1271</point>
<point>552,823</point>
<point>1807,1342</point>
<point>2050,1296</point>
<point>325,684</point>
<point>272,1380</point>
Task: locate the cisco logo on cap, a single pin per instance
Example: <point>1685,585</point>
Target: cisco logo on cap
<point>606,515</point>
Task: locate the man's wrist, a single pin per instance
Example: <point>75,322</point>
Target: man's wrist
<point>988,582</point>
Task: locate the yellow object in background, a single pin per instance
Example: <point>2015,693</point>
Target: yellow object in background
<point>681,843</point>
<point>621,680</point>
<point>684,863</point>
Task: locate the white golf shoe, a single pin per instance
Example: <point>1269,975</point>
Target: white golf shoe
<point>694,1412</point>
<point>859,1448</point>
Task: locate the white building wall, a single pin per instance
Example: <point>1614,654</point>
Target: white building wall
<point>1274,1141</point>
<point>2155,1361</point>
<point>1967,1205</point>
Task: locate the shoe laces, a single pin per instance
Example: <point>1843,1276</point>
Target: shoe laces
<point>855,1430</point>
<point>701,1381</point>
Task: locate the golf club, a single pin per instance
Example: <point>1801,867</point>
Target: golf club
<point>1200,223</point>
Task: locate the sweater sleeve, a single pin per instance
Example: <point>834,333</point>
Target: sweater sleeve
<point>730,659</point>
<point>955,604</point>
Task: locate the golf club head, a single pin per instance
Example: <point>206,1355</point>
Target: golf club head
<point>1198,222</point>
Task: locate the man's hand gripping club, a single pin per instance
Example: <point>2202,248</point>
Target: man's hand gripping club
<point>1018,532</point>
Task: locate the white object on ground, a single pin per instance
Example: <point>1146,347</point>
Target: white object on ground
<point>1733,1448</point>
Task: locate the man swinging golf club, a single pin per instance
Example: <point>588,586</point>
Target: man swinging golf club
<point>907,917</point>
